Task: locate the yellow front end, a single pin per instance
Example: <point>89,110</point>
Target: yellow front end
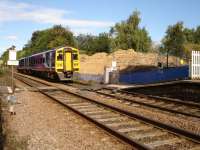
<point>67,61</point>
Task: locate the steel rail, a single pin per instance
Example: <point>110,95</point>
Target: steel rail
<point>110,130</point>
<point>174,130</point>
<point>149,105</point>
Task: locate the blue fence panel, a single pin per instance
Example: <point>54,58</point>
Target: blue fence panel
<point>154,76</point>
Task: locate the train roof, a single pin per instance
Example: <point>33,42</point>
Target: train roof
<point>37,54</point>
<point>46,52</point>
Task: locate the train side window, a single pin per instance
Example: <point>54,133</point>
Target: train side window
<point>75,56</point>
<point>60,57</point>
<point>53,59</point>
<point>48,59</point>
<point>43,60</point>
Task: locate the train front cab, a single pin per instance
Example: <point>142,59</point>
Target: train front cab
<point>67,62</point>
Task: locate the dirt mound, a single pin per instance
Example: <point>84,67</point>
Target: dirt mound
<point>138,68</point>
<point>126,59</point>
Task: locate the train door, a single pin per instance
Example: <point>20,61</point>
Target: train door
<point>59,61</point>
<point>68,61</point>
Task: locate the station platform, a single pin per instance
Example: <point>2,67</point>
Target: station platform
<point>124,86</point>
<point>120,86</point>
<point>192,81</point>
<point>5,90</point>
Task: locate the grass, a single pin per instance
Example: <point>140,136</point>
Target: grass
<point>5,76</point>
<point>1,72</point>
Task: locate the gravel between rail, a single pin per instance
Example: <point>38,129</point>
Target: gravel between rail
<point>181,121</point>
<point>187,123</point>
<point>57,95</point>
<point>41,123</point>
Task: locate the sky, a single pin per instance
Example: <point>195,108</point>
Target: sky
<point>20,18</point>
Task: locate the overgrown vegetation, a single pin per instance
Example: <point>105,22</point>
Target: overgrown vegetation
<point>4,57</point>
<point>48,39</point>
<point>3,71</point>
<point>92,44</point>
<point>128,35</point>
<point>179,40</point>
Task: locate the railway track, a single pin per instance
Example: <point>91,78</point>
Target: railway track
<point>140,132</point>
<point>165,104</point>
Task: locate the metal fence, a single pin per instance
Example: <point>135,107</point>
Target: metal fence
<point>155,76</point>
<point>195,65</point>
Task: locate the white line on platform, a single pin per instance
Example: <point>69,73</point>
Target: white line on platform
<point>9,89</point>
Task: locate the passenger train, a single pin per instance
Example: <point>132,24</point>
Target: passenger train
<point>59,63</point>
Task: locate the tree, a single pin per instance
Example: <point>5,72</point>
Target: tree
<point>86,43</point>
<point>60,37</point>
<point>128,34</point>
<point>180,41</point>
<point>188,47</point>
<point>189,35</point>
<point>173,42</point>
<point>103,43</point>
<point>92,44</point>
<point>197,35</point>
<point>48,39</point>
<point>4,57</point>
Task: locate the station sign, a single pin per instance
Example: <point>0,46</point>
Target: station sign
<point>12,58</point>
<point>12,55</point>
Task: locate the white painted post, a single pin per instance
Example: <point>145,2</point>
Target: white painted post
<point>12,61</point>
<point>106,75</point>
<point>195,65</point>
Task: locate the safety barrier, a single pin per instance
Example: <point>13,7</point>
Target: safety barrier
<point>155,76</point>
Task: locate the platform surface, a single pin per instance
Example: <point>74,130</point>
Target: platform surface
<point>122,86</point>
<point>5,90</point>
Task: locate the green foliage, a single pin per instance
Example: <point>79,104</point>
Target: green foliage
<point>189,35</point>
<point>128,34</point>
<point>197,35</point>
<point>48,39</point>
<point>4,57</point>
<point>179,40</point>
<point>20,54</point>
<point>188,47</point>
<point>174,39</point>
<point>92,44</point>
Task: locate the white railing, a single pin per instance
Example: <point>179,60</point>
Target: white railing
<point>195,65</point>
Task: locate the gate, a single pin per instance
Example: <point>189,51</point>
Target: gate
<point>195,65</point>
